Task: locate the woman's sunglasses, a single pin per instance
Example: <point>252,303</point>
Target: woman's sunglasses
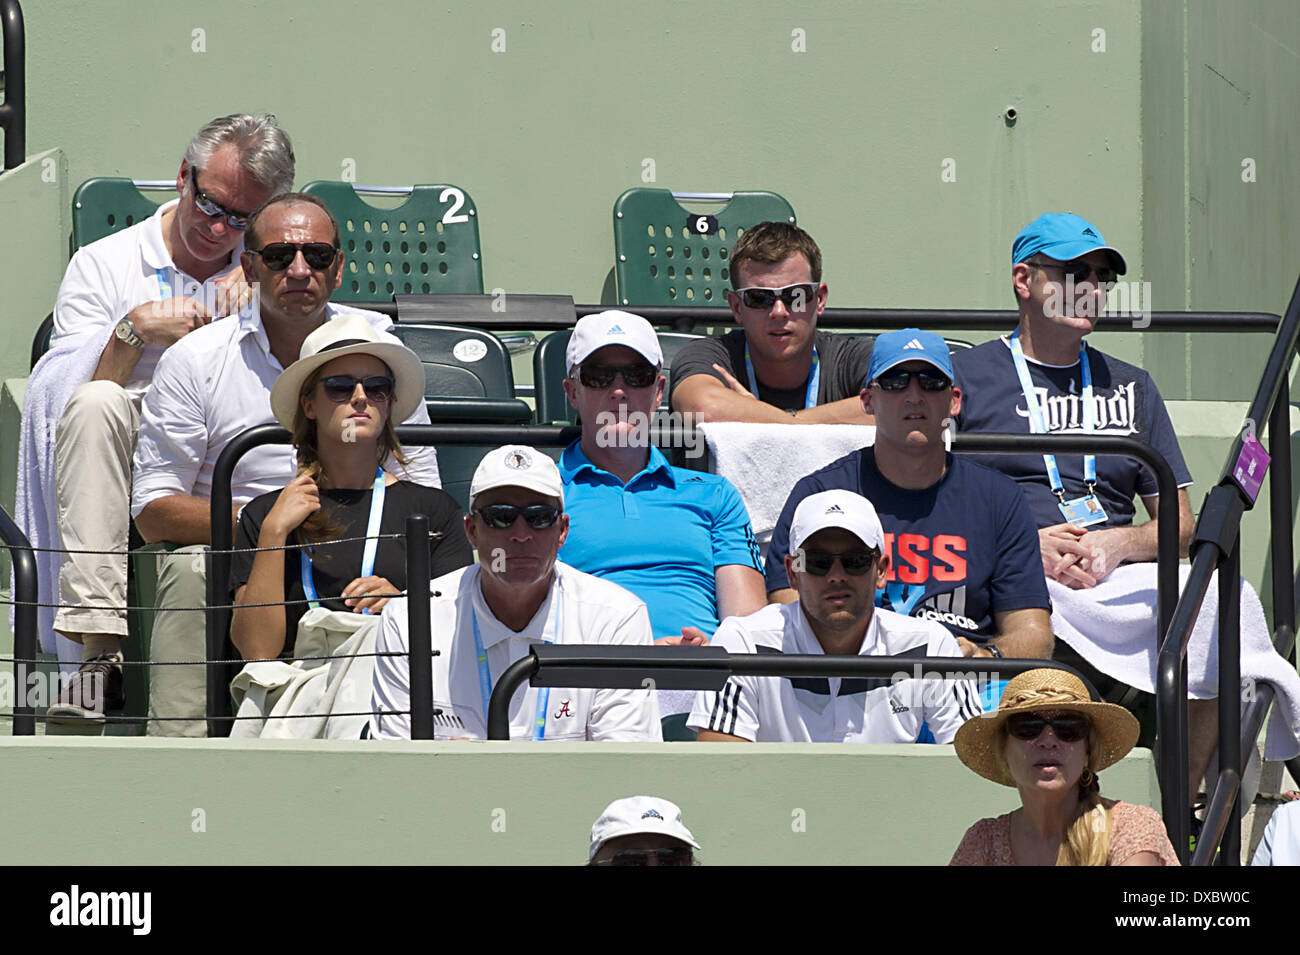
<point>278,256</point>
<point>855,562</point>
<point>537,516</point>
<point>340,388</point>
<point>1029,726</point>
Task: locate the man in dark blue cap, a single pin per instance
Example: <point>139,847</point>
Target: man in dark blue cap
<point>960,539</point>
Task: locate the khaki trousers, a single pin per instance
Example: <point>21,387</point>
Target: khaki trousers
<point>179,691</point>
<point>93,446</point>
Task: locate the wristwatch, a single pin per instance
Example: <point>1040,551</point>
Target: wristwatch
<point>993,651</point>
<point>125,331</point>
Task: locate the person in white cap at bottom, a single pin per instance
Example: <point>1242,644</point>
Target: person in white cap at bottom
<point>836,563</point>
<point>486,616</point>
<point>641,830</point>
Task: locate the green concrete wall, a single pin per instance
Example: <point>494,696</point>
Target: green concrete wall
<point>372,803</point>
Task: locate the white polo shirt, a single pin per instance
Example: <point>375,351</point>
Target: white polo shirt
<point>817,710</point>
<point>579,609</point>
<point>108,278</point>
<point>213,384</point>
<point>1281,842</point>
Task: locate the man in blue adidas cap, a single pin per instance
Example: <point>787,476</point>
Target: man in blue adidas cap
<point>1043,378</point>
<point>680,540</point>
<point>960,539</point>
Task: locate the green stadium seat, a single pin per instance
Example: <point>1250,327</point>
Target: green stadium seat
<point>104,205</point>
<point>427,244</point>
<point>549,372</point>
<point>663,258</point>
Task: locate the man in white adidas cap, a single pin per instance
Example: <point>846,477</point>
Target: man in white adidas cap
<point>641,830</point>
<point>486,616</point>
<point>836,564</point>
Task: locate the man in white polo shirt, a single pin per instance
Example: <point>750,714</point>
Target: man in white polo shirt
<point>486,616</point>
<point>836,561</point>
<point>210,386</point>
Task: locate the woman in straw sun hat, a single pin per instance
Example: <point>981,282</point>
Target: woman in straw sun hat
<point>1049,740</point>
<point>339,399</point>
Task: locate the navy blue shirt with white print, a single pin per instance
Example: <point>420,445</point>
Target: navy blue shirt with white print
<point>1126,401</point>
<point>960,550</point>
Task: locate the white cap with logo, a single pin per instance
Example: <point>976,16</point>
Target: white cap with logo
<point>612,327</point>
<point>516,465</point>
<point>839,508</point>
<point>639,814</point>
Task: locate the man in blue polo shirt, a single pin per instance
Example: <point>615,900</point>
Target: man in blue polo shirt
<point>678,539</point>
<point>961,541</point>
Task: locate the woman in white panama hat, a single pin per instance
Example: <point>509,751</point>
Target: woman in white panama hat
<point>1049,740</point>
<point>340,400</point>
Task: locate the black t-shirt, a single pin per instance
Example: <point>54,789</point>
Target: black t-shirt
<point>1126,402</point>
<point>842,358</point>
<point>334,566</point>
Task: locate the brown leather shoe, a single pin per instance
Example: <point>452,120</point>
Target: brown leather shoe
<point>91,692</point>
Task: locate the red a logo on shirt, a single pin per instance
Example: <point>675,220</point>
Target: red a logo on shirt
<point>909,563</point>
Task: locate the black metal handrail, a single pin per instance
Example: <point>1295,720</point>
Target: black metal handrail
<point>707,668</point>
<point>1216,545</point>
<point>25,597</point>
<point>13,111</point>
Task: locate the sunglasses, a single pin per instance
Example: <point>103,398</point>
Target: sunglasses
<point>642,857</point>
<point>212,209</point>
<point>1029,726</point>
<point>278,256</point>
<point>537,516</point>
<point>899,380</point>
<point>340,388</point>
<point>1078,270</point>
<point>855,562</point>
<point>796,297</point>
<point>634,376</point>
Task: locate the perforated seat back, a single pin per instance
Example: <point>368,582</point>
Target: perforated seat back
<point>459,362</point>
<point>105,205</point>
<point>663,258</point>
<point>427,244</point>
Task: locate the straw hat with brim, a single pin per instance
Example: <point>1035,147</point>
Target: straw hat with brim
<point>980,741</point>
<point>350,335</point>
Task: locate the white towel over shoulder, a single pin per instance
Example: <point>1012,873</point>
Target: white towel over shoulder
<point>1113,627</point>
<point>765,461</point>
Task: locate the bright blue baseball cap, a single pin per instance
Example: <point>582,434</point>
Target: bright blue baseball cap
<point>909,344</point>
<point>1062,236</point>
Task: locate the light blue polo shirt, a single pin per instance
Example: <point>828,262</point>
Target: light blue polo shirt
<point>661,535</point>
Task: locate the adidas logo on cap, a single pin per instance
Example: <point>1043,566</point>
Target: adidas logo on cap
<point>651,814</point>
<point>834,509</point>
<point>914,343</point>
<point>615,330</point>
<point>1089,231</point>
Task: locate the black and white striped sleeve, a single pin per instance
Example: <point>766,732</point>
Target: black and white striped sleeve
<point>733,709</point>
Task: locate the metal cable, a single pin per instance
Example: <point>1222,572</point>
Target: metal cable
<point>154,551</point>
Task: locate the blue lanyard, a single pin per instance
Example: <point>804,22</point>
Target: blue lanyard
<point>367,556</point>
<point>485,677</point>
<point>814,378</point>
<point>1038,426</point>
<point>164,283</point>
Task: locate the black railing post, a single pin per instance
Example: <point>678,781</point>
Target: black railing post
<point>420,639</point>
<point>25,596</point>
<point>13,112</point>
<point>1230,694</point>
<point>498,714</point>
<point>1280,514</point>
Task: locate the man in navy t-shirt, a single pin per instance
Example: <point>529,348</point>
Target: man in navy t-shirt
<point>961,541</point>
<point>1061,267</point>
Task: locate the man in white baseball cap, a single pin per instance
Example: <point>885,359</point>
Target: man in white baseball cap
<point>486,616</point>
<point>679,539</point>
<point>836,563</point>
<point>641,830</point>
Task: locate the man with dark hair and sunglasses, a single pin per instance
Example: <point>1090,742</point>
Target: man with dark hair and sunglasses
<point>210,386</point>
<point>836,563</point>
<point>124,300</point>
<point>776,368</point>
<point>486,616</point>
<point>960,539</point>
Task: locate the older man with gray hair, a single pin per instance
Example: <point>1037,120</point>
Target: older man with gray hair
<point>123,301</point>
